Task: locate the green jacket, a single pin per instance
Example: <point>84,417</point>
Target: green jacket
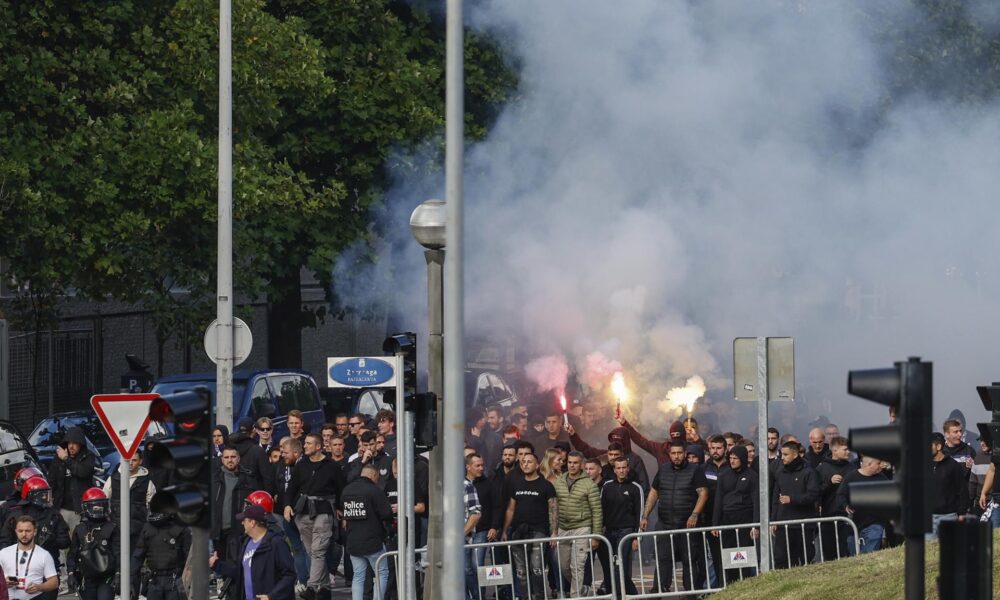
<point>579,505</point>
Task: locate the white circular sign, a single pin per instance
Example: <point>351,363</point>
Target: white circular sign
<point>242,341</point>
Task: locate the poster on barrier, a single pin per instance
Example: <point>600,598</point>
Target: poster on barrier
<point>495,575</point>
<point>735,558</point>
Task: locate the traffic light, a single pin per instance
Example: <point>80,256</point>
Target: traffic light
<point>405,343</point>
<point>186,455</point>
<point>425,421</point>
<point>905,444</point>
<point>990,432</point>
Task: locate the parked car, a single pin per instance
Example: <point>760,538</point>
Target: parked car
<point>49,433</point>
<point>266,393</point>
<point>15,453</point>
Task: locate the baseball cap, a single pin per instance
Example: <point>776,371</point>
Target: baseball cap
<point>252,512</point>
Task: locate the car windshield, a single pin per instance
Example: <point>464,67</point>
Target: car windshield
<point>50,431</point>
<point>170,387</point>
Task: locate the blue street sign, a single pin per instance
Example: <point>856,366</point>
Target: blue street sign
<point>360,372</point>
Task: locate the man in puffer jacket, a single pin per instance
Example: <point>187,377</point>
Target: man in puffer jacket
<point>579,514</point>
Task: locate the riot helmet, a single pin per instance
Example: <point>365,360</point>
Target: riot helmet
<point>95,504</point>
<point>37,491</point>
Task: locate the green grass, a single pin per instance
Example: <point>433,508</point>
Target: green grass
<point>874,576</point>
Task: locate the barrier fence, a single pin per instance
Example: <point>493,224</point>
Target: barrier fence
<point>681,561</point>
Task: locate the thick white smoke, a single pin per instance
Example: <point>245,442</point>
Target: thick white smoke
<point>674,175</point>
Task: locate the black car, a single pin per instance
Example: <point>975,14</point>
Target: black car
<point>15,453</point>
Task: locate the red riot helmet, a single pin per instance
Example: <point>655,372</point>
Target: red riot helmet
<point>24,474</point>
<point>36,490</point>
<point>95,504</point>
<point>262,499</point>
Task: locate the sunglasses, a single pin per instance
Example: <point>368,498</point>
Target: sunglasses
<point>264,428</point>
<point>354,424</point>
<point>24,557</point>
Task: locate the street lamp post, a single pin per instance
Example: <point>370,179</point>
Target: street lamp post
<point>428,226</point>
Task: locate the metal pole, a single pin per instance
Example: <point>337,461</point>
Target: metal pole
<point>124,527</point>
<point>198,560</point>
<point>452,570</point>
<point>764,492</point>
<point>404,464</point>
<point>224,292</point>
<point>435,384</point>
<point>914,555</point>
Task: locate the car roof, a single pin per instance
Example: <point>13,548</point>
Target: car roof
<point>240,374</point>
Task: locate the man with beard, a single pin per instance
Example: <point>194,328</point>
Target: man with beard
<point>818,449</point>
<point>51,532</point>
<point>311,500</point>
<point>368,454</point>
<point>679,495</point>
<point>773,454</point>
<point>70,474</point>
<point>717,464</point>
<point>831,473</point>
<point>532,512</point>
<point>737,502</point>
<point>230,487</point>
<point>619,444</point>
<point>291,454</point>
<point>949,492</point>
<point>795,492</point>
<point>508,463</point>
<point>31,568</point>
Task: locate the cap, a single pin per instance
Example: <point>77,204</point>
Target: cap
<point>252,512</point>
<point>695,449</point>
<point>245,425</point>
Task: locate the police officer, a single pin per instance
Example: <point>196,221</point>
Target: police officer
<point>163,545</point>
<point>52,533</point>
<point>94,548</point>
<point>367,512</point>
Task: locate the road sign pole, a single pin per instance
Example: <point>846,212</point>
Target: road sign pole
<point>764,492</point>
<point>404,506</point>
<point>125,526</point>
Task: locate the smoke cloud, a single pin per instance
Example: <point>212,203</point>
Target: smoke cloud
<point>673,175</point>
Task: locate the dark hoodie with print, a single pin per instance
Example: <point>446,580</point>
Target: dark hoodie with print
<point>636,468</point>
<point>70,477</point>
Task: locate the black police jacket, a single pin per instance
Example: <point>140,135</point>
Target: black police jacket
<point>90,530</point>
<point>163,547</point>
<point>367,512</point>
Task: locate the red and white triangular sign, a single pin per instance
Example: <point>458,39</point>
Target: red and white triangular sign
<point>125,418</point>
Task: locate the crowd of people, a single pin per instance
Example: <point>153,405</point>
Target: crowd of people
<point>295,517</point>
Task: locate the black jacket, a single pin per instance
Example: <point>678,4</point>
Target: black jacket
<point>367,512</point>
<point>92,530</point>
<point>492,512</point>
<point>949,490</point>
<point>71,477</point>
<point>253,458</point>
<point>382,462</point>
<point>861,519</point>
<point>320,483</point>
<point>621,504</point>
<point>815,460</point>
<point>245,484</point>
<point>829,499</point>
<point>737,497</point>
<point>271,569</point>
<point>801,485</point>
<point>164,547</point>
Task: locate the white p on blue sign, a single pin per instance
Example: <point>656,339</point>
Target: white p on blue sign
<point>360,372</point>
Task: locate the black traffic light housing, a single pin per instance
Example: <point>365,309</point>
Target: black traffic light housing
<point>425,421</point>
<point>405,343</point>
<point>186,455</point>
<point>905,444</point>
<point>990,432</point>
<point>907,387</point>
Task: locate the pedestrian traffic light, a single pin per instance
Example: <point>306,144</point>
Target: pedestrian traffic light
<point>425,421</point>
<point>990,432</point>
<point>905,444</point>
<point>186,455</point>
<point>405,343</point>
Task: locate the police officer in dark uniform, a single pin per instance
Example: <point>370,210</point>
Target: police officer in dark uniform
<point>163,545</point>
<point>95,548</point>
<point>367,511</point>
<point>53,535</point>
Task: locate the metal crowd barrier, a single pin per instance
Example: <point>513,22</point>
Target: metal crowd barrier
<point>736,547</point>
<point>542,567</point>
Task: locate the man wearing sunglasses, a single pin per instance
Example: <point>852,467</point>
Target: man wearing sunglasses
<point>30,569</point>
<point>265,434</point>
<point>355,424</point>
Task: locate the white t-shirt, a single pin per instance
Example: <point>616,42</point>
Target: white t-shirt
<point>35,565</point>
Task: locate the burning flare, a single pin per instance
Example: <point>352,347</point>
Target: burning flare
<point>685,397</point>
<point>618,387</point>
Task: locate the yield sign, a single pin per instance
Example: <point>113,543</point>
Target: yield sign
<point>125,418</point>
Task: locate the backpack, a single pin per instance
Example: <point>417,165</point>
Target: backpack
<point>96,556</point>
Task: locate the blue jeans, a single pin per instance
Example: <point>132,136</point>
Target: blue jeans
<point>995,517</point>
<point>360,565</point>
<point>624,560</point>
<point>871,538</point>
<point>473,559</point>
<point>937,522</point>
<point>299,556</point>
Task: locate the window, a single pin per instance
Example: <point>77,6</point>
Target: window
<point>370,403</point>
<point>501,394</point>
<point>294,392</point>
<point>259,398</point>
<point>483,395</point>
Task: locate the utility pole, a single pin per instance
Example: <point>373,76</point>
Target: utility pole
<point>224,284</point>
